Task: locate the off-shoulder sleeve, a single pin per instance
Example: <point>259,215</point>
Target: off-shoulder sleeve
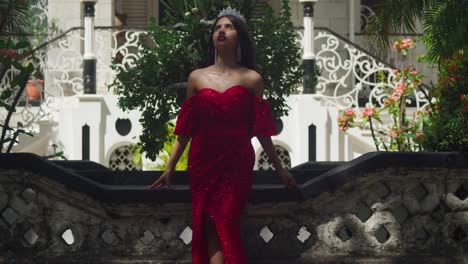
<point>186,119</point>
<point>263,124</point>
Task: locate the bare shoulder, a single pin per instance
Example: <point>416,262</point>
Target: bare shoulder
<point>255,82</point>
<point>195,75</point>
<point>193,82</point>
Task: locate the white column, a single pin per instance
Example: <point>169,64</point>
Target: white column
<point>308,58</point>
<point>91,112</point>
<point>89,38</point>
<point>352,31</point>
<point>89,59</point>
<point>308,39</point>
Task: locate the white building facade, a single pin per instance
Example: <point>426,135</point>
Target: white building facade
<point>93,126</point>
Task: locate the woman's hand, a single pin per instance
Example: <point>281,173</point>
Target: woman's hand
<point>287,179</point>
<point>163,180</point>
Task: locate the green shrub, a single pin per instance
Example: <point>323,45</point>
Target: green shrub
<point>151,86</point>
<point>448,126</point>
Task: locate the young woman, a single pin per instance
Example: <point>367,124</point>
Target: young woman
<point>224,109</point>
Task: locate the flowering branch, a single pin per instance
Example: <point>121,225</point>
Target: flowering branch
<point>405,133</point>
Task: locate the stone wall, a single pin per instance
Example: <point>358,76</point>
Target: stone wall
<point>364,211</point>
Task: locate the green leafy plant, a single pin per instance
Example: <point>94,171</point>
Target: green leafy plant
<point>55,154</point>
<point>405,133</point>
<point>166,151</point>
<point>152,85</point>
<point>10,96</point>
<point>448,127</point>
<point>278,57</point>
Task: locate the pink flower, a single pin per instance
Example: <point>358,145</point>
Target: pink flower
<point>414,72</point>
<point>419,134</point>
<point>403,44</point>
<point>368,111</point>
<point>400,88</point>
<point>350,112</point>
<point>407,43</point>
<point>393,134</point>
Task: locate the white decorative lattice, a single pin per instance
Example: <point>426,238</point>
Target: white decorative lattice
<point>263,162</point>
<point>123,159</point>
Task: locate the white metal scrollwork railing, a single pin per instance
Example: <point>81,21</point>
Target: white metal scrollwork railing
<point>348,74</point>
<point>60,64</point>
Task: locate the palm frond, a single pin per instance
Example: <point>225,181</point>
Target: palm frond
<point>393,16</point>
<point>446,28</point>
<point>14,18</point>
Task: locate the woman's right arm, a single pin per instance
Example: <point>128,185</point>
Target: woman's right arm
<point>180,145</point>
<point>179,148</point>
<point>166,177</point>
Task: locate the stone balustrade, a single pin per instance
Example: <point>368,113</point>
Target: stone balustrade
<point>379,208</point>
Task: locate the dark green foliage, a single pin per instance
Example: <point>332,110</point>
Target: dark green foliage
<point>151,85</point>
<point>446,28</point>
<point>278,57</point>
<point>448,126</point>
<point>10,96</point>
<point>14,17</point>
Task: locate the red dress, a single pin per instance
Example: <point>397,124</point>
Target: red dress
<point>221,160</point>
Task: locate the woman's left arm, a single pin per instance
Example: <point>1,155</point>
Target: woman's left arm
<point>284,175</point>
<point>267,144</point>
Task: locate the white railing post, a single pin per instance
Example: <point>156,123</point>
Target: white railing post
<point>89,58</point>
<point>352,30</point>
<point>308,57</point>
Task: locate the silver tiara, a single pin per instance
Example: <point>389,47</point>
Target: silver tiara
<point>231,12</point>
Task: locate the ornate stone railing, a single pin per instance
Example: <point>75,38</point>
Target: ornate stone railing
<point>398,207</point>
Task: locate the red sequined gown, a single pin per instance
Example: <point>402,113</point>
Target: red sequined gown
<point>221,160</point>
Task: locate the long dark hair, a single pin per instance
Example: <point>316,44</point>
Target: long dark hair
<point>246,44</point>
